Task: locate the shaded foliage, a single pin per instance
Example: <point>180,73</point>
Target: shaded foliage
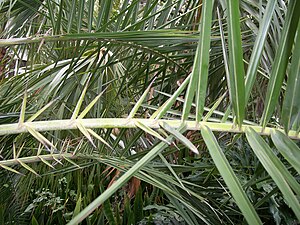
<point>108,108</point>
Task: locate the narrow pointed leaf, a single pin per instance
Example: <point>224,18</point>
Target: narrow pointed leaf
<point>189,218</point>
<point>40,137</point>
<point>281,60</point>
<point>77,147</point>
<point>140,101</point>
<point>203,63</point>
<point>236,65</point>
<point>214,107</point>
<point>57,160</point>
<point>71,161</point>
<point>259,46</point>
<point>33,117</point>
<point>39,149</point>
<point>10,169</point>
<point>92,103</point>
<point>80,100</point>
<point>229,177</point>
<point>108,212</point>
<point>46,162</point>
<point>19,152</point>
<point>278,164</point>
<point>99,138</point>
<point>225,58</point>
<point>27,167</point>
<point>150,131</point>
<point>14,151</point>
<point>226,115</point>
<point>23,109</point>
<point>291,103</point>
<point>71,16</point>
<point>265,156</point>
<point>192,87</point>
<point>173,172</point>
<point>287,148</point>
<point>85,132</point>
<point>77,207</point>
<point>159,109</point>
<point>167,105</point>
<point>180,137</point>
<point>120,182</point>
<point>224,48</point>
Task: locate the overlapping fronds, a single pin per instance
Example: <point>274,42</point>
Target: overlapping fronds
<point>137,88</point>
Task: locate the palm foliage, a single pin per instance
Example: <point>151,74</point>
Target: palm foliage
<point>108,108</point>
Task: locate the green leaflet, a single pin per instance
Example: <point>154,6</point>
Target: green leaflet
<point>258,47</point>
<point>198,81</point>
<point>281,60</point>
<point>236,65</point>
<point>120,182</point>
<point>287,148</point>
<point>291,104</point>
<point>229,177</point>
<point>275,168</point>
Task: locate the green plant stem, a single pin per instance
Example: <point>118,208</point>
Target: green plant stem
<point>33,159</point>
<point>51,125</point>
<point>126,36</point>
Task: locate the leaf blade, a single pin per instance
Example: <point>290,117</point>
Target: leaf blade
<point>291,103</point>
<point>140,101</point>
<point>229,177</point>
<point>258,47</point>
<point>281,60</point>
<point>119,183</point>
<point>236,66</point>
<point>264,154</point>
<point>150,131</point>
<point>203,63</point>
<point>80,101</point>
<point>180,137</point>
<point>287,148</point>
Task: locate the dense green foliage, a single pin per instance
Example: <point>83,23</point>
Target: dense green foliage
<point>149,112</point>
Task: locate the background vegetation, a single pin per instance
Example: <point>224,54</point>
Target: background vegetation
<point>107,110</point>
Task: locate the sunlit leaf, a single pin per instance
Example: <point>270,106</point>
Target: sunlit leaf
<point>151,131</point>
<point>33,117</point>
<point>40,137</point>
<point>140,101</point>
<point>281,60</point>
<point>80,101</point>
<point>27,167</point>
<point>10,169</point>
<point>180,137</point>
<point>236,65</point>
